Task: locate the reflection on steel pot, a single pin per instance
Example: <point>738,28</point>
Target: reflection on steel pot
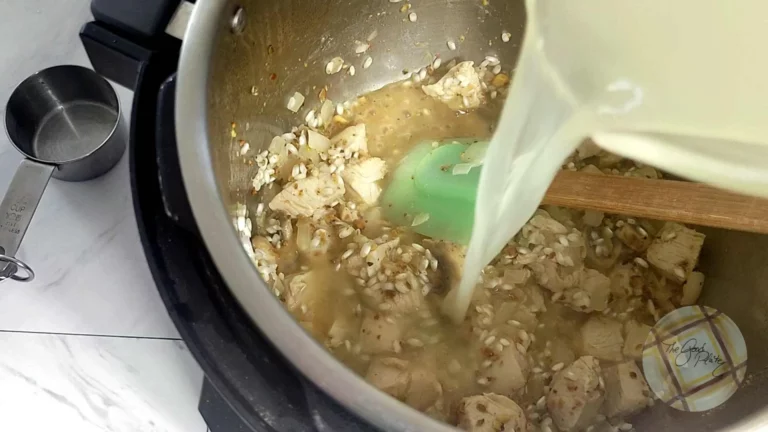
<point>66,121</point>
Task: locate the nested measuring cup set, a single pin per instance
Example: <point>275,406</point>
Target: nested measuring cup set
<point>67,123</point>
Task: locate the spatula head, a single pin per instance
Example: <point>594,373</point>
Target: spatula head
<point>425,184</point>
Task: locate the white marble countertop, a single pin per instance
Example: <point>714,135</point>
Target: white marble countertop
<point>88,345</point>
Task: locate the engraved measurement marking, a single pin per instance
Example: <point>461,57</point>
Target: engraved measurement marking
<point>13,216</point>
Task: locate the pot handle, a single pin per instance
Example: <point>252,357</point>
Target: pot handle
<point>16,211</point>
<point>127,35</point>
<point>145,19</point>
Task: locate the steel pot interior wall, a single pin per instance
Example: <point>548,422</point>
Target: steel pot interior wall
<point>284,49</point>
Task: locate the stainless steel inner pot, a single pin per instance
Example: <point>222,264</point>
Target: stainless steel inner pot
<point>226,76</point>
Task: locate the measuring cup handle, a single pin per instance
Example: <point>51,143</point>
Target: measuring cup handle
<point>16,211</point>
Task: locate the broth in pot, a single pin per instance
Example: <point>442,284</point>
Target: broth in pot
<point>568,303</point>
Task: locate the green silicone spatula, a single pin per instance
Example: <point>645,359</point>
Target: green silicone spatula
<point>434,188</point>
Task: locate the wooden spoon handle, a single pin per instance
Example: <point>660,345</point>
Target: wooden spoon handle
<point>670,200</point>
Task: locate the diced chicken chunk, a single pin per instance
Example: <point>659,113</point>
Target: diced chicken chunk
<point>587,149</point>
<point>362,176</point>
<point>347,214</point>
<point>633,238</point>
<point>601,338</point>
<point>626,281</point>
<point>575,395</point>
<point>377,256</point>
<point>675,251</point>
<point>459,88</point>
<point>263,249</point>
<point>593,218</point>
<point>626,391</point>
<point>555,277</point>
<point>608,159</point>
<point>390,375</point>
<point>591,294</point>
<point>607,258</point>
<point>516,276</point>
<point>514,310</point>
<point>343,328</point>
<point>413,384</point>
<point>451,258</point>
<point>645,172</point>
<point>351,140</point>
<point>491,412</point>
<point>597,287</point>
<point>393,301</point>
<point>379,332</point>
<point>314,238</point>
<point>635,334</point>
<point>591,169</point>
<point>305,296</point>
<point>317,141</point>
<point>508,373</point>
<point>560,214</point>
<point>425,390</point>
<point>546,223</point>
<point>533,296</point>
<point>561,351</point>
<point>298,290</point>
<point>546,237</point>
<point>303,197</point>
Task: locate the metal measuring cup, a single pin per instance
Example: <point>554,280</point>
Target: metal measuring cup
<point>66,121</point>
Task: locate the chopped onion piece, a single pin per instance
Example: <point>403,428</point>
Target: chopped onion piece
<point>334,66</point>
<point>475,153</point>
<point>317,141</point>
<point>308,154</point>
<point>295,102</point>
<point>326,112</point>
<point>277,145</point>
<point>361,47</point>
<point>420,219</point>
<point>462,168</point>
